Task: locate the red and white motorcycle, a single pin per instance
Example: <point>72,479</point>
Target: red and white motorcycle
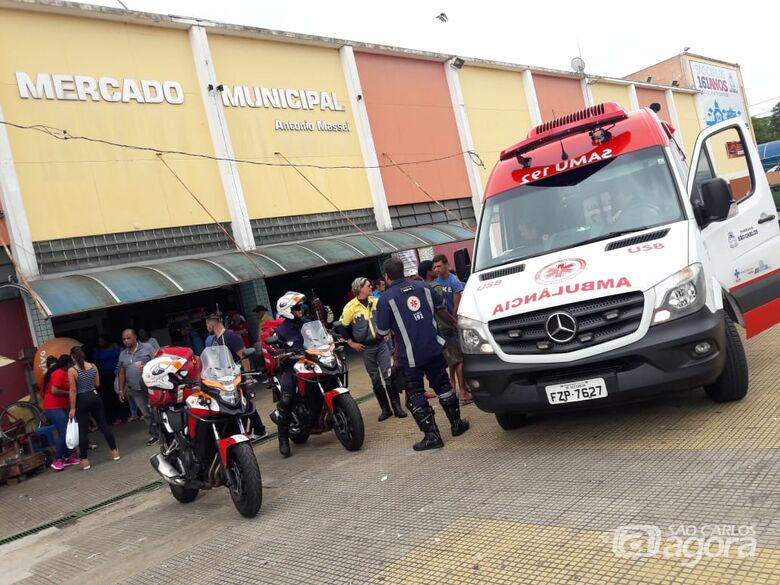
<point>201,408</point>
<point>322,401</point>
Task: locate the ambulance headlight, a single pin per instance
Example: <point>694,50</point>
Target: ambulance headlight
<point>473,336</point>
<point>679,295</point>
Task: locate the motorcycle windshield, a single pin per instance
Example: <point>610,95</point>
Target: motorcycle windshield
<point>217,364</point>
<point>315,336</point>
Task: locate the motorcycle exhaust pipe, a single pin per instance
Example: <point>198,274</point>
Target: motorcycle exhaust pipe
<point>166,470</point>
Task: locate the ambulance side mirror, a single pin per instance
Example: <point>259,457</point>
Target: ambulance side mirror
<point>716,200</point>
<point>462,264</point>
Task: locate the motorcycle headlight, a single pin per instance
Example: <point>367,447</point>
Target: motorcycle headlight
<point>329,361</point>
<point>681,294</point>
<point>473,336</point>
<point>229,395</point>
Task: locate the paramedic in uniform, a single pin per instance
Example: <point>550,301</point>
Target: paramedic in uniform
<point>407,308</point>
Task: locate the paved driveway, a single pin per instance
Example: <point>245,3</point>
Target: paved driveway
<point>537,505</point>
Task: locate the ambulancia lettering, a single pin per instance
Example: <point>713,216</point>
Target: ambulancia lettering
<point>569,289</point>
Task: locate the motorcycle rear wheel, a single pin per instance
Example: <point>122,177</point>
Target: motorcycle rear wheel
<point>183,494</point>
<point>246,490</point>
<point>348,422</point>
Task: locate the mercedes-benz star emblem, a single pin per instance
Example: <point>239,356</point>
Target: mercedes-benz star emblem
<point>561,327</point>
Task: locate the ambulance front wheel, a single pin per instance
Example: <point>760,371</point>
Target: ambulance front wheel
<point>732,384</point>
<point>510,421</point>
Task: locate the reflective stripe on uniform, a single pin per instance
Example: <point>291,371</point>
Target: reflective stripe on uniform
<point>404,334</point>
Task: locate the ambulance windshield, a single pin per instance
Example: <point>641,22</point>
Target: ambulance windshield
<point>627,193</point>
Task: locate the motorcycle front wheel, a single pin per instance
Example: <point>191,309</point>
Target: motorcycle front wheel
<point>246,487</point>
<point>348,422</point>
<point>183,494</point>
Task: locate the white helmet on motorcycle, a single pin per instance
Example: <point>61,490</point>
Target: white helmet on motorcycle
<point>164,371</point>
<point>285,304</point>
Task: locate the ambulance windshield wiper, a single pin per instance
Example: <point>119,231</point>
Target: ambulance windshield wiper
<point>612,235</point>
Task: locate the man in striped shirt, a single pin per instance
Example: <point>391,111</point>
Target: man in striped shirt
<point>131,364</point>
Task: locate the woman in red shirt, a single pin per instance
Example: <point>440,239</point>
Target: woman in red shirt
<point>56,402</point>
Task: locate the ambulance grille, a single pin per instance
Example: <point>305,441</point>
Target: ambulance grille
<point>598,321</point>
<point>636,240</point>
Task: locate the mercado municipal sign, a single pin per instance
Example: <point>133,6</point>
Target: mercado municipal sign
<point>279,98</point>
<point>243,96</point>
<point>84,88</point>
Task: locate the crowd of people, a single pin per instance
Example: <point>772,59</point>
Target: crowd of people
<point>404,328</point>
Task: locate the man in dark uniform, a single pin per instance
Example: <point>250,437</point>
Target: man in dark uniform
<point>407,308</point>
<point>290,307</point>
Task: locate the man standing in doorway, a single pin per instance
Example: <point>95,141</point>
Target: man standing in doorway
<point>407,308</point>
<point>452,288</point>
<point>235,344</point>
<point>262,317</point>
<point>358,322</point>
<point>132,360</point>
<point>261,311</point>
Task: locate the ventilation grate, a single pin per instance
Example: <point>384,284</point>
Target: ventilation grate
<point>502,272</point>
<point>636,240</point>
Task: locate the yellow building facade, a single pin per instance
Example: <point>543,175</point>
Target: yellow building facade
<point>149,143</point>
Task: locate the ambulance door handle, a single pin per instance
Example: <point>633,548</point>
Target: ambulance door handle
<point>765,218</point>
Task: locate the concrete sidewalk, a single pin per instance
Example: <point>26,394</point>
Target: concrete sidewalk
<point>52,495</point>
<point>564,500</point>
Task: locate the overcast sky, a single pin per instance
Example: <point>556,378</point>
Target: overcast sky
<point>614,38</point>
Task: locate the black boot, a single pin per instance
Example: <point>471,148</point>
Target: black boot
<point>395,402</point>
<point>452,410</point>
<point>282,418</point>
<point>384,404</point>
<point>284,442</point>
<point>427,423</point>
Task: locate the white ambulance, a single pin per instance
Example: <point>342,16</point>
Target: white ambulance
<point>605,269</point>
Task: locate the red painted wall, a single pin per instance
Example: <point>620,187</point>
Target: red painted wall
<point>15,336</point>
<point>449,250</point>
<point>648,96</point>
<point>410,112</point>
<point>558,96</point>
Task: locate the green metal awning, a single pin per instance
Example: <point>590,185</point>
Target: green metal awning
<point>75,293</point>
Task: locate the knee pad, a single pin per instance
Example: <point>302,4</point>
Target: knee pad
<point>415,396</point>
<point>448,399</point>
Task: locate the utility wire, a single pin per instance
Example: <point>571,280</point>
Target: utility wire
<point>420,187</point>
<point>34,295</point>
<point>777,97</point>
<point>61,134</point>
<point>336,207</point>
<point>218,223</point>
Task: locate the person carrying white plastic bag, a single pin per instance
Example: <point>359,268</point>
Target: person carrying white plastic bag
<point>72,434</point>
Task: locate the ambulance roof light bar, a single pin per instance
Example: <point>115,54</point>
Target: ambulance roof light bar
<point>574,123</point>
